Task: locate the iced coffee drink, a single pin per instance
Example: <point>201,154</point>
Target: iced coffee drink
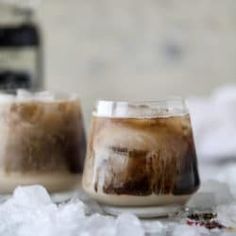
<point>141,154</point>
<point>42,141</point>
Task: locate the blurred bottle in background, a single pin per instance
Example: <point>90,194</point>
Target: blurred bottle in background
<point>21,59</point>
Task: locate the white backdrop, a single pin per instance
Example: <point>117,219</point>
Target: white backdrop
<point>135,49</point>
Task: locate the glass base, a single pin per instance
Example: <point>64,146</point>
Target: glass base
<point>145,212</point>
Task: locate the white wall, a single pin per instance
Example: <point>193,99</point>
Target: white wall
<point>136,49</point>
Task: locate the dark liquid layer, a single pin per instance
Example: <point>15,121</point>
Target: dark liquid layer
<point>142,156</point>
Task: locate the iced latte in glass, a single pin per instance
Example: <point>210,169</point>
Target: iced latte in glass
<point>42,141</point>
<point>141,154</point>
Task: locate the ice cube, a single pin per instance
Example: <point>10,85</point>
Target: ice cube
<point>24,95</point>
<point>154,228</point>
<point>6,98</point>
<point>70,211</point>
<point>99,225</point>
<point>31,196</point>
<point>73,96</point>
<point>68,219</point>
<point>186,230</point>
<point>44,96</point>
<point>91,205</point>
<point>128,224</point>
<point>29,205</point>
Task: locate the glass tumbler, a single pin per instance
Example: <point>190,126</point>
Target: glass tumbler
<point>42,141</point>
<point>141,154</point>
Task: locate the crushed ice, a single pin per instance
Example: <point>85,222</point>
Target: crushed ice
<point>30,211</point>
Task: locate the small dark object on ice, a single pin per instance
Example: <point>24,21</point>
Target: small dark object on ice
<point>205,219</point>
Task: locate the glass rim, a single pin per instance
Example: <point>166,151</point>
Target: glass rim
<point>42,96</point>
<point>174,106</point>
<point>162,100</point>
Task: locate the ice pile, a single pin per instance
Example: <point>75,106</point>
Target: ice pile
<point>214,125</point>
<point>186,230</point>
<point>31,212</point>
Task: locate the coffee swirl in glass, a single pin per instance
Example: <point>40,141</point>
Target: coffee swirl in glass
<point>141,154</point>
